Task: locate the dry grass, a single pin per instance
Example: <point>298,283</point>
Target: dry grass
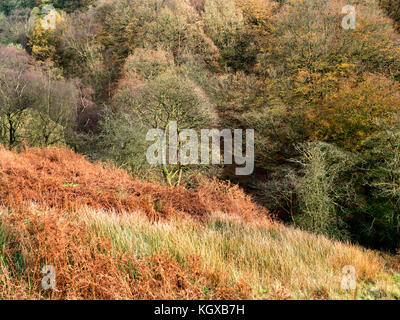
<point>277,262</point>
<point>89,267</point>
<point>112,237</point>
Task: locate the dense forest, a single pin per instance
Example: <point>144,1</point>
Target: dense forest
<point>324,101</point>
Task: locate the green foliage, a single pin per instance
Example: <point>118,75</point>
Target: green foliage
<point>317,190</point>
<point>8,6</point>
<point>82,55</point>
<point>150,105</point>
<point>125,144</point>
<point>380,213</point>
<point>359,190</point>
<point>70,5</point>
<point>168,97</point>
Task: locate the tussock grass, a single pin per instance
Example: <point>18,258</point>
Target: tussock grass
<point>88,266</point>
<point>277,262</point>
<point>103,255</point>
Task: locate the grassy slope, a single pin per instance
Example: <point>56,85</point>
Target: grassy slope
<point>212,243</point>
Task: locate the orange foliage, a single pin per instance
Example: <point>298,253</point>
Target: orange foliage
<point>87,268</point>
<point>59,178</point>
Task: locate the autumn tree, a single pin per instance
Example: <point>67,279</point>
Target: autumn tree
<point>392,7</point>
<point>19,86</point>
<point>224,24</point>
<point>35,105</point>
<point>166,98</point>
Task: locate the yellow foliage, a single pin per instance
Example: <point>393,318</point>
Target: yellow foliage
<point>258,16</point>
<point>354,111</point>
<point>43,41</point>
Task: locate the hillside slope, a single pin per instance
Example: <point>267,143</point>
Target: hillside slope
<point>109,236</point>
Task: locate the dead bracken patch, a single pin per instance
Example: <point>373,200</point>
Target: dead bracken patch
<point>87,267</point>
<point>59,178</point>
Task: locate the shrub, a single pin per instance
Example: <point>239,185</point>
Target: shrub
<point>317,190</point>
<point>356,191</point>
